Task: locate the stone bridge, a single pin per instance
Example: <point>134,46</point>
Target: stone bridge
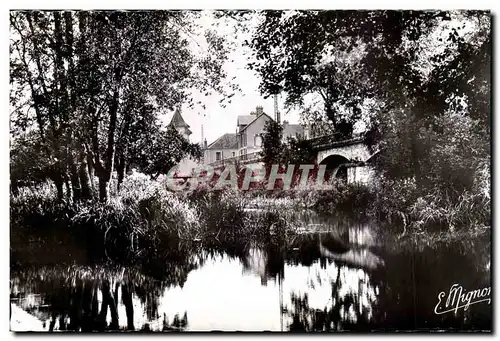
<point>348,159</point>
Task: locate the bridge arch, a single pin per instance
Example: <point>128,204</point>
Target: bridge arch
<point>336,166</point>
<point>354,152</point>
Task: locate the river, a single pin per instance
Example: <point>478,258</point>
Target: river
<point>334,276</point>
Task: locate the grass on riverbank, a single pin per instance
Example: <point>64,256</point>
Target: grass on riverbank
<point>144,219</point>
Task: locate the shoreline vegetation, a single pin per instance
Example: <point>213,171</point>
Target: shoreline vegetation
<point>82,119</point>
<point>91,152</point>
<point>145,220</point>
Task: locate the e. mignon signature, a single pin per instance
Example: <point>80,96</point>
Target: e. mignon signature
<point>458,297</point>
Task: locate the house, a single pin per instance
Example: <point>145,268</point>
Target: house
<point>223,148</point>
<point>249,130</point>
<point>292,130</point>
<point>246,143</point>
<point>318,128</point>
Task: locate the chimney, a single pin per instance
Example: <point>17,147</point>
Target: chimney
<point>205,144</point>
<point>259,110</point>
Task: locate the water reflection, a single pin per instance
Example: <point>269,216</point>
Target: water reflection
<point>335,279</point>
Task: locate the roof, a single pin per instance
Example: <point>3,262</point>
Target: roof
<point>255,118</point>
<point>245,119</point>
<point>177,120</point>
<point>226,141</point>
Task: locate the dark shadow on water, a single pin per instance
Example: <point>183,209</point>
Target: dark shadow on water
<point>341,278</point>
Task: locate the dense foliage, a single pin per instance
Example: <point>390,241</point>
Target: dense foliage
<point>89,86</point>
<point>420,78</point>
<point>272,145</point>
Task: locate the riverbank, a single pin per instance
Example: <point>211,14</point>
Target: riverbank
<point>132,263</point>
<point>144,219</point>
<point>139,224</point>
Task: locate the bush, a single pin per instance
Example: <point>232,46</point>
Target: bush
<point>399,202</point>
<point>344,198</point>
<point>143,216</point>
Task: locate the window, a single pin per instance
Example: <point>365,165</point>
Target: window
<point>257,140</point>
<point>234,154</point>
<point>217,156</point>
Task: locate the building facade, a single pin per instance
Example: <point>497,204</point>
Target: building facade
<point>246,143</point>
<point>225,147</point>
<point>178,123</point>
<point>249,130</point>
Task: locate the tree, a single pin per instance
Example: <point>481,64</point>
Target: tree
<point>159,154</point>
<point>272,146</point>
<point>29,164</point>
<point>91,77</point>
<point>298,151</point>
<point>417,66</point>
<point>313,52</point>
<point>37,63</point>
<point>443,129</point>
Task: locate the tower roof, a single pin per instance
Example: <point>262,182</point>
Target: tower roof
<point>177,120</point>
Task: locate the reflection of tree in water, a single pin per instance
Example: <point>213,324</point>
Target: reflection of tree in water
<point>414,276</point>
<point>407,290</point>
<point>401,295</point>
<point>266,261</point>
<point>78,298</point>
<point>351,305</point>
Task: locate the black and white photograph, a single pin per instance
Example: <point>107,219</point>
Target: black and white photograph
<point>271,170</point>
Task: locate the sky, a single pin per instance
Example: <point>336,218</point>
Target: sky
<point>215,119</point>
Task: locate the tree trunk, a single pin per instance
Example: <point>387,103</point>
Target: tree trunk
<point>52,322</point>
<point>75,313</point>
<point>129,308</point>
<point>109,157</point>
<point>117,288</point>
<point>120,169</point>
<point>69,188</point>
<point>84,176</point>
<point>62,322</point>
<point>108,300</point>
<point>75,178</point>
<point>415,154</point>
<point>59,187</point>
<point>87,323</point>
<point>103,313</point>
<point>55,175</point>
<point>103,189</point>
<point>91,174</point>
<point>95,304</point>
<point>114,313</point>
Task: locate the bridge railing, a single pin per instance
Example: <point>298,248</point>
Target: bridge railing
<point>332,140</point>
<point>241,159</point>
<point>318,143</point>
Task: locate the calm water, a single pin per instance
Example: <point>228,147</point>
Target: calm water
<point>343,277</point>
